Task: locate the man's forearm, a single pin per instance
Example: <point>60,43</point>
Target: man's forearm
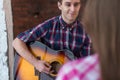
<point>23,51</point>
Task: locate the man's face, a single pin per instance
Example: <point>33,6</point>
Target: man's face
<point>69,9</point>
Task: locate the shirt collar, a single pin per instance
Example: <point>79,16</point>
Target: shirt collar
<point>64,24</point>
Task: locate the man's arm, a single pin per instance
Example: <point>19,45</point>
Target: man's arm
<point>23,51</point>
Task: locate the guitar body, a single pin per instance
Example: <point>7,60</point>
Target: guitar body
<point>23,70</point>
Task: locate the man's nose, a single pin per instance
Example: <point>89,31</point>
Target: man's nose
<point>72,8</point>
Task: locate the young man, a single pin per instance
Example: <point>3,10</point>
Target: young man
<point>61,32</point>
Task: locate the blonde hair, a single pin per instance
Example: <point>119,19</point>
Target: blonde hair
<point>102,22</point>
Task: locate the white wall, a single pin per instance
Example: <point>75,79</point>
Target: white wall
<point>3,45</point>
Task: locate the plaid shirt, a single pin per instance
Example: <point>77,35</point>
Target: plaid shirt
<point>82,69</point>
<point>58,35</point>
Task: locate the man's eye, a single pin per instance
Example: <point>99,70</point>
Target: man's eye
<point>76,4</point>
<point>67,4</point>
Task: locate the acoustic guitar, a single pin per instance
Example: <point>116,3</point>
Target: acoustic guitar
<point>23,70</point>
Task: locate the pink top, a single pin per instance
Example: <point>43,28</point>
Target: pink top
<point>81,69</point>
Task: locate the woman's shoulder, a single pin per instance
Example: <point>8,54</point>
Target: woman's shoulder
<point>82,61</point>
<point>83,68</point>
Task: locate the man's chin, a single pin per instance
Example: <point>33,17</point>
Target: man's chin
<point>71,20</point>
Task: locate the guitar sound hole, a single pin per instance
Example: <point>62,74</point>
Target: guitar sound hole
<point>55,67</point>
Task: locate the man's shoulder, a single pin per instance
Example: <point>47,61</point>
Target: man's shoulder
<point>55,18</point>
<point>49,22</point>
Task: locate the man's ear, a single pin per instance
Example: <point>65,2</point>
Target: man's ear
<point>59,5</point>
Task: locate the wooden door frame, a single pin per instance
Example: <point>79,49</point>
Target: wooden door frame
<point>9,26</point>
